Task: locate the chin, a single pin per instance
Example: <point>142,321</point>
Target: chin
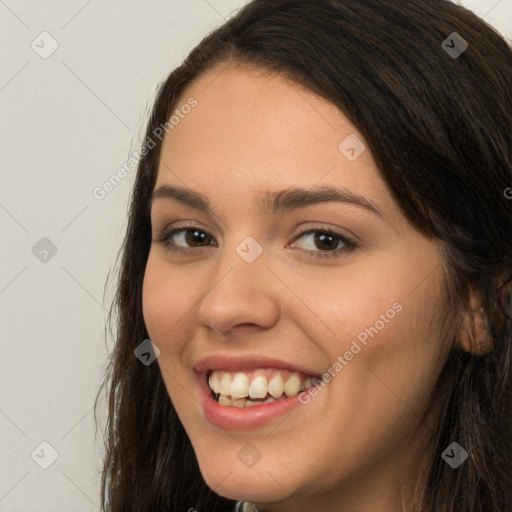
<point>232,480</point>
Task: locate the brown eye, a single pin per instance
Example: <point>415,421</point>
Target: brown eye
<point>187,238</point>
<point>323,243</point>
<point>322,240</point>
<point>197,237</point>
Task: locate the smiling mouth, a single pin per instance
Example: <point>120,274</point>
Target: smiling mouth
<point>256,387</point>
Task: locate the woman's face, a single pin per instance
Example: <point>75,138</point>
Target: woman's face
<point>290,262</point>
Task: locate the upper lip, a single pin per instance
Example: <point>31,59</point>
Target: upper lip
<point>246,363</point>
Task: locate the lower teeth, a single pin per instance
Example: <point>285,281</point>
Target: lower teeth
<point>244,402</point>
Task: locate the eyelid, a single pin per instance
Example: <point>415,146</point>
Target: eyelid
<point>348,243</point>
<point>329,231</point>
<point>176,227</point>
<point>180,225</point>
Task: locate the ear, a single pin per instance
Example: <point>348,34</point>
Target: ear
<point>474,335</point>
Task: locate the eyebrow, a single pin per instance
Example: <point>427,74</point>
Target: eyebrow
<point>281,201</point>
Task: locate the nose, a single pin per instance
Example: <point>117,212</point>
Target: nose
<point>242,295</point>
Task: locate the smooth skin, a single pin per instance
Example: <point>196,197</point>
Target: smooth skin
<point>359,442</point>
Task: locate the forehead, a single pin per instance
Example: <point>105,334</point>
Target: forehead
<point>260,132</point>
<point>259,110</point>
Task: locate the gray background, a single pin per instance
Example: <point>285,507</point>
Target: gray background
<point>68,122</point>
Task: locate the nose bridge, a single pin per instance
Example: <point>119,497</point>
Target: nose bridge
<point>241,291</point>
<point>242,258</point>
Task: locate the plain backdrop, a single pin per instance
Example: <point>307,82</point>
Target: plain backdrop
<point>77,79</point>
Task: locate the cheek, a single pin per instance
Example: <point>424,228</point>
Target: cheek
<point>400,358</point>
<point>154,300</point>
<point>384,326</point>
<point>387,310</point>
<point>166,301</point>
<point>337,310</point>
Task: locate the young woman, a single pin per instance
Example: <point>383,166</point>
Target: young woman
<point>320,251</point>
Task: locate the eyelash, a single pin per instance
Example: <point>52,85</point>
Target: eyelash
<point>349,244</point>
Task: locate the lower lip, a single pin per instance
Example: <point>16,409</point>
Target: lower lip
<point>242,418</point>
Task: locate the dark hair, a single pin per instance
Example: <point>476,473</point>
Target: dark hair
<point>439,128</point>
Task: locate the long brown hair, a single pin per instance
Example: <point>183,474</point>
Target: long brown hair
<point>439,128</point>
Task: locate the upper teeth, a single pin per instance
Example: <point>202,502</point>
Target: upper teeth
<point>258,383</point>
